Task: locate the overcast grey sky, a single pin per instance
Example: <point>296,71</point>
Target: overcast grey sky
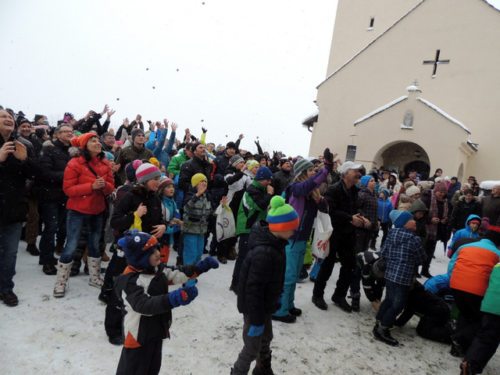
<point>240,66</point>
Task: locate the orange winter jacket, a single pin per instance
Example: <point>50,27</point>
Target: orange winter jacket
<point>77,185</point>
<point>471,266</point>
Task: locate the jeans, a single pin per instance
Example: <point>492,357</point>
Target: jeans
<point>295,251</point>
<point>54,222</point>
<point>10,235</point>
<point>74,223</point>
<point>396,296</point>
<point>193,248</point>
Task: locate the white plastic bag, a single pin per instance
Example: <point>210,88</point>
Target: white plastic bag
<point>225,227</point>
<point>322,232</point>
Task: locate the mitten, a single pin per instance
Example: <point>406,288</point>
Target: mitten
<point>206,264</point>
<point>256,331</point>
<point>184,295</point>
<point>204,130</point>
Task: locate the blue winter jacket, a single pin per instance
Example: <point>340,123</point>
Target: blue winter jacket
<point>156,142</point>
<point>384,208</point>
<point>170,212</point>
<point>466,232</point>
<point>438,284</point>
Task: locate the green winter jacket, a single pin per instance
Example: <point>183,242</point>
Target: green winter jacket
<point>253,207</point>
<point>174,167</point>
<point>491,300</point>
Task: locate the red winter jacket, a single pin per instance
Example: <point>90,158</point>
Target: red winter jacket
<point>77,185</point>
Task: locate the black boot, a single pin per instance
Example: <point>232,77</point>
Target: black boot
<point>75,268</point>
<point>384,334</point>
<point>355,304</point>
<point>285,319</point>
<point>33,250</point>
<point>49,269</point>
<point>341,303</point>
<point>303,274</point>
<point>319,302</point>
<point>295,311</point>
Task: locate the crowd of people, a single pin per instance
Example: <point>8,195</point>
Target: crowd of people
<point>144,196</point>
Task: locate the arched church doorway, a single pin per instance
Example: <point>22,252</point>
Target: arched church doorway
<point>402,156</point>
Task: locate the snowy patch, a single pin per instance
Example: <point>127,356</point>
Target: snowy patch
<point>47,336</point>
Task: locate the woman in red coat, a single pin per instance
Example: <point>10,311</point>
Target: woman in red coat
<point>88,179</point>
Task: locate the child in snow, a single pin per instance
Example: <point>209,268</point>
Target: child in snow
<point>260,285</point>
<point>403,252</point>
<point>197,211</point>
<point>144,296</point>
<point>172,216</point>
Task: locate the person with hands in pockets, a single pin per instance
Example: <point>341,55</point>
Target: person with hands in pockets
<point>260,285</point>
<point>144,296</point>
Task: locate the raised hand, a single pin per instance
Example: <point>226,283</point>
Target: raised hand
<point>105,110</point>
<point>173,126</point>
<point>110,113</point>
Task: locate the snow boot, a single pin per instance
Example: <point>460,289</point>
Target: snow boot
<point>384,334</point>
<point>319,302</point>
<point>49,269</point>
<point>94,265</point>
<point>63,270</point>
<point>33,250</point>
<point>232,255</point>
<point>303,274</point>
<point>355,302</point>
<point>285,319</point>
<point>295,311</point>
<point>342,303</point>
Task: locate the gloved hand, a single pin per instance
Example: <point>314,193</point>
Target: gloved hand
<point>328,155</point>
<point>183,296</point>
<point>203,130</point>
<point>206,264</point>
<point>256,331</point>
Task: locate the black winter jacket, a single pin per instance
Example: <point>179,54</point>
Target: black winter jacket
<point>13,176</point>
<point>262,274</point>
<point>342,203</point>
<point>52,163</point>
<point>281,180</point>
<point>92,123</point>
<point>190,168</point>
<point>462,211</point>
<point>123,214</point>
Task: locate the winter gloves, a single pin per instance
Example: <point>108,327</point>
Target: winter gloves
<point>206,264</point>
<point>256,331</point>
<point>183,296</point>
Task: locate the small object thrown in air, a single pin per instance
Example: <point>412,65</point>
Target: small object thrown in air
<point>154,87</point>
<point>118,99</point>
<point>147,68</point>
<point>177,69</point>
<point>202,120</point>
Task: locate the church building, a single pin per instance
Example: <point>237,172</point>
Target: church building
<point>413,84</point>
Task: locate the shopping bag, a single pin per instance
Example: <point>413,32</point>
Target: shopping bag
<point>224,224</point>
<point>322,232</point>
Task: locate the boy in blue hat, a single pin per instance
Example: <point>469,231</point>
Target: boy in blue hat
<point>403,253</point>
<point>147,303</point>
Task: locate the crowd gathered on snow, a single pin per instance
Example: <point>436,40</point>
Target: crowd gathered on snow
<point>84,195</point>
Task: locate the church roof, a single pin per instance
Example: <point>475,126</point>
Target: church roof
<point>382,34</point>
<point>444,114</point>
<point>380,109</point>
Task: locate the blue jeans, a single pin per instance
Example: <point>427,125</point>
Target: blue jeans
<point>9,241</point>
<point>74,222</point>
<point>193,248</point>
<point>295,251</point>
<point>396,296</point>
<point>54,222</point>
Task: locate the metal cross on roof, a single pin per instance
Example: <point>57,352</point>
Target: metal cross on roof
<point>436,62</point>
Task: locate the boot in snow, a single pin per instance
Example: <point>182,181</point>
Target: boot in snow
<point>263,366</point>
<point>63,270</point>
<point>383,334</point>
<point>341,303</point>
<point>355,302</point>
<point>95,272</point>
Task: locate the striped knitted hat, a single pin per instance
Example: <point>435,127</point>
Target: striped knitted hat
<point>281,216</point>
<point>146,172</point>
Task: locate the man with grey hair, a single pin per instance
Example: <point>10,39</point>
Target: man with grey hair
<point>342,201</point>
<point>491,206</point>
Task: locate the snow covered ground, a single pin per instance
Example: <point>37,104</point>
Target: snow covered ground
<point>66,336</point>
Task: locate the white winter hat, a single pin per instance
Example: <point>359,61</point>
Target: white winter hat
<point>412,191</point>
